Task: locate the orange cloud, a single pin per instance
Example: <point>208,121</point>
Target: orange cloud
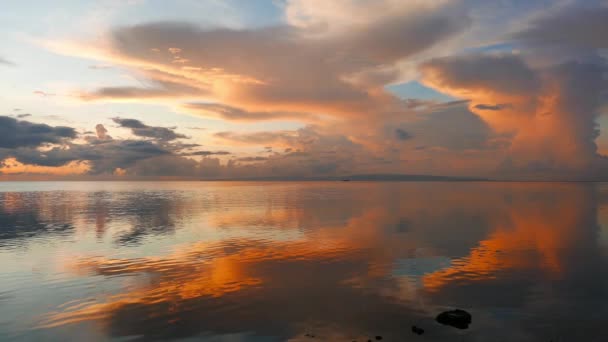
<point>551,119</point>
<point>280,69</point>
<point>11,166</point>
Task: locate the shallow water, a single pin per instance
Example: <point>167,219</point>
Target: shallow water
<point>239,261</point>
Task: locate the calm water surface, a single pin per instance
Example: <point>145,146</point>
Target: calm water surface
<point>220,261</point>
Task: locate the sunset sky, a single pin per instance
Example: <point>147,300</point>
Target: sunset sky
<point>509,89</point>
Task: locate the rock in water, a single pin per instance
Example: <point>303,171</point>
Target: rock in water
<point>456,318</point>
<point>417,331</point>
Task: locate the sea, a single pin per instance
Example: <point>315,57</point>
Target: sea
<point>302,261</point>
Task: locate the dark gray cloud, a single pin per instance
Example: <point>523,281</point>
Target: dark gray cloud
<point>57,156</point>
<point>182,146</point>
<point>507,74</point>
<point>15,133</point>
<point>448,104</point>
<point>496,107</point>
<point>252,159</point>
<point>4,61</point>
<point>165,165</point>
<point>207,153</point>
<point>573,26</point>
<point>107,156</point>
<point>21,116</point>
<point>397,37</point>
<point>156,89</point>
<point>125,92</point>
<point>104,156</point>
<point>21,140</point>
<point>401,134</point>
<point>140,129</point>
<point>452,128</point>
<point>129,123</point>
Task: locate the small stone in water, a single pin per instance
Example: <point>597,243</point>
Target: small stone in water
<point>416,330</point>
<point>456,318</point>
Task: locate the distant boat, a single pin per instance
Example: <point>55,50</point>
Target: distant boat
<point>346,180</point>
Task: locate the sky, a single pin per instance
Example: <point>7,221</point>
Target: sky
<point>210,89</point>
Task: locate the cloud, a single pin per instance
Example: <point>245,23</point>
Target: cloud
<point>285,138</point>
<point>165,165</point>
<point>108,156</point>
<point>333,74</point>
<point>401,134</point>
<point>4,61</point>
<point>21,116</point>
<point>42,93</point>
<point>526,102</point>
<point>55,157</point>
<point>297,154</point>
<point>55,146</point>
<point>552,112</point>
<point>310,138</point>
<point>102,132</point>
<point>208,153</point>
<point>157,89</point>
<point>100,67</point>
<point>453,128</point>
<point>140,129</point>
<point>39,147</point>
<point>499,106</point>
<point>573,26</point>
<point>230,113</point>
<point>104,157</point>
<point>506,75</point>
<point>15,133</point>
<point>252,159</point>
<point>309,151</point>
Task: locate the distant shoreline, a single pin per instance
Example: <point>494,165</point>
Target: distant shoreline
<point>345,179</point>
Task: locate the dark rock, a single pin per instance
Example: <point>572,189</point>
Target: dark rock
<point>416,330</point>
<point>378,337</point>
<point>456,318</point>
